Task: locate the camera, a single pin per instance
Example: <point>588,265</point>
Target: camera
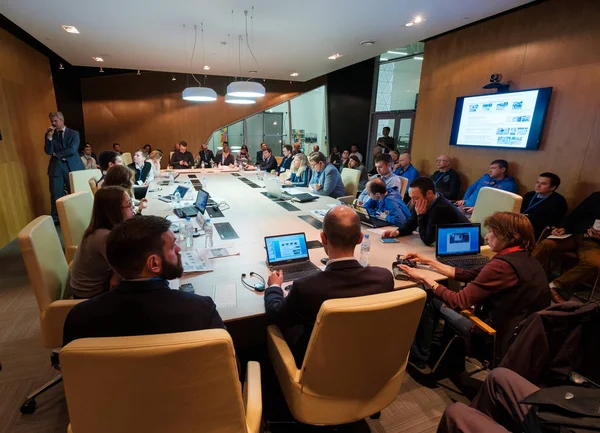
<point>496,83</point>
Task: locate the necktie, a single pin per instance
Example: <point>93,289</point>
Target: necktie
<point>60,139</point>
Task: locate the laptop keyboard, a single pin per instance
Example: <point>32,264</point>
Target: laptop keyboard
<point>467,262</point>
<point>189,210</point>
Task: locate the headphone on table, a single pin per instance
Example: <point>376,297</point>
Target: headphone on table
<point>259,287</point>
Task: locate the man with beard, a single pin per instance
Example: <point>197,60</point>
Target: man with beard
<point>142,250</point>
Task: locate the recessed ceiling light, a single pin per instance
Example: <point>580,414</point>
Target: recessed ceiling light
<point>294,74</point>
<point>335,56</point>
<point>418,19</point>
<point>383,59</point>
<point>98,59</point>
<point>139,72</point>
<point>206,68</point>
<point>409,24</point>
<point>397,53</point>
<point>101,70</point>
<point>418,58</point>
<point>368,43</point>
<point>70,29</point>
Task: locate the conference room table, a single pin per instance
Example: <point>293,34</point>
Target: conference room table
<point>254,216</point>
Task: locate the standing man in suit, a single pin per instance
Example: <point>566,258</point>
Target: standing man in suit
<point>343,277</point>
<point>326,179</point>
<point>62,144</point>
<point>286,162</point>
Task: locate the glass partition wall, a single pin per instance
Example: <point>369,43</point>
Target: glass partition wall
<point>301,119</point>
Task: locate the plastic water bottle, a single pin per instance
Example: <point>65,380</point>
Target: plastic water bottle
<point>177,200</point>
<point>202,165</point>
<point>189,232</point>
<point>208,232</point>
<point>171,178</point>
<point>365,249</point>
<point>241,166</point>
<point>204,184</point>
<point>258,173</point>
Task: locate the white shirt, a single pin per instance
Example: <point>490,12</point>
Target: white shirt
<point>63,131</point>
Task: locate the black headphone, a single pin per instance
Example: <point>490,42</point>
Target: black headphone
<point>259,287</point>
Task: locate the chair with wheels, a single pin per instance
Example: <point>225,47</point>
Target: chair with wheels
<point>80,180</point>
<point>184,382</point>
<point>74,213</point>
<point>355,360</point>
<point>47,270</point>
<point>492,200</point>
<point>350,179</point>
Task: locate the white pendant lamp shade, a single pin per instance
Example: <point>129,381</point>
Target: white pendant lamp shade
<point>199,94</point>
<point>246,89</point>
<point>243,101</point>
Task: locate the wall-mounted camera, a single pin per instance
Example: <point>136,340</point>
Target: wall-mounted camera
<point>496,83</point>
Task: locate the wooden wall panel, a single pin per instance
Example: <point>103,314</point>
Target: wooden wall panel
<point>133,110</point>
<point>554,44</point>
<point>26,98</point>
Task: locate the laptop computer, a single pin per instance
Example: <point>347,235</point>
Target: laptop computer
<point>139,192</point>
<point>458,245</point>
<point>182,190</point>
<point>198,207</point>
<point>274,189</point>
<point>289,253</point>
<point>370,221</point>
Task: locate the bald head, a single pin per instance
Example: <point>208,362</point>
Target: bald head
<point>341,227</point>
<point>404,159</point>
<point>376,186</point>
<point>442,162</point>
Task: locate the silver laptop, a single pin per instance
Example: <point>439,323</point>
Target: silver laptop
<point>458,245</point>
<point>273,188</point>
<point>289,253</point>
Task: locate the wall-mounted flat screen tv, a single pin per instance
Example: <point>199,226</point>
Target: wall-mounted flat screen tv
<point>511,120</point>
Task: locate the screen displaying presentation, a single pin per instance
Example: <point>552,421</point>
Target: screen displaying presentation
<point>510,120</point>
<point>458,240</point>
<point>284,248</point>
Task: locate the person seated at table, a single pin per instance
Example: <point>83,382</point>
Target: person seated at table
<point>154,159</point>
<point>544,206</point>
<point>259,154</point>
<point>89,162</point>
<point>335,157</point>
<point>385,204</point>
<point>344,160</point>
<point>326,179</point>
<point>147,148</point>
<point>510,287</point>
<point>123,176</point>
<point>582,225</point>
<point>144,253</point>
<point>297,148</point>
<point>205,156</point>
<point>376,152</point>
<point>90,274</point>
<point>224,157</point>
<point>354,163</point>
<point>244,155</point>
<point>354,151</point>
<point>383,165</point>
<point>269,162</point>
<point>316,148</point>
<point>182,159</point>
<point>117,148</point>
<point>495,178</point>
<point>428,210</point>
<point>343,277</point>
<point>406,170</point>
<point>395,160</point>
<point>142,168</point>
<point>300,171</point>
<point>286,162</point>
<point>106,160</point>
<point>447,181</point>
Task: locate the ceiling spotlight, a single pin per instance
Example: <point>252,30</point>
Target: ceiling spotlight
<point>274,123</point>
<point>368,43</point>
<point>383,59</point>
<point>173,77</point>
<point>206,68</point>
<point>409,24</point>
<point>335,56</point>
<point>418,19</point>
<point>70,29</point>
<point>60,66</point>
<point>418,58</point>
<point>398,53</point>
<point>139,72</point>
<point>98,59</point>
<point>294,74</point>
<point>101,70</point>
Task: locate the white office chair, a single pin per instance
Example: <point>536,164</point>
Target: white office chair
<point>126,158</point>
<point>80,179</point>
<point>492,200</point>
<point>74,214</point>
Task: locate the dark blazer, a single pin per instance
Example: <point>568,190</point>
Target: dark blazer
<point>542,213</point>
<point>67,152</point>
<point>205,155</point>
<point>141,308</point>
<point>286,164</point>
<point>344,279</point>
<point>143,174</point>
<point>259,157</point>
<point>229,159</point>
<point>269,165</point>
<point>441,211</point>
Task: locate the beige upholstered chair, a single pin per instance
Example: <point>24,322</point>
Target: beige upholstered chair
<point>185,382</point>
<point>355,359</point>
<point>74,213</point>
<point>126,158</point>
<point>93,185</point>
<point>490,200</point>
<point>47,270</point>
<point>279,159</point>
<point>350,178</point>
<point>80,179</point>
<point>403,185</point>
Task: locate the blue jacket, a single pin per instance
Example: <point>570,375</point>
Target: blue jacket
<point>330,180</point>
<point>302,179</point>
<point>286,163</point>
<point>409,172</point>
<point>67,152</point>
<point>506,184</point>
<point>391,181</point>
<point>392,203</point>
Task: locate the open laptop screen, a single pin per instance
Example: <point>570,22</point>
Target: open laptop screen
<point>459,239</point>
<point>286,248</point>
<point>201,201</point>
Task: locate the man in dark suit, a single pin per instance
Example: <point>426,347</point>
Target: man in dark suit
<point>428,210</point>
<point>343,277</point>
<point>205,156</point>
<point>286,162</point>
<point>143,251</point>
<point>259,154</point>
<point>62,144</point>
<point>269,162</point>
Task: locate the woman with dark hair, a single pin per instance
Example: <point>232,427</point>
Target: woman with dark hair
<point>120,175</point>
<point>224,157</point>
<point>147,148</point>
<point>354,162</point>
<point>335,157</point>
<point>510,287</point>
<point>90,274</point>
<point>244,154</point>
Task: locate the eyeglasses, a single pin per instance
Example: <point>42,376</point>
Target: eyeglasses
<point>129,206</point>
